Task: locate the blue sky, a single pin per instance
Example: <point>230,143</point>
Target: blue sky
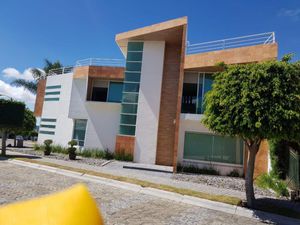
<point>33,30</point>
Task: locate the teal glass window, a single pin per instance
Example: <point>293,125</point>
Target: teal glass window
<point>130,97</point>
<point>133,66</point>
<point>133,77</point>
<point>47,126</point>
<point>129,108</point>
<point>208,81</point>
<point>127,130</point>
<point>52,93</point>
<point>46,132</point>
<point>128,119</point>
<point>131,87</point>
<point>115,92</point>
<point>194,97</point>
<point>135,46</point>
<point>51,99</point>
<point>213,148</point>
<point>134,56</point>
<point>197,146</point>
<point>79,131</point>
<point>53,87</point>
<point>48,120</point>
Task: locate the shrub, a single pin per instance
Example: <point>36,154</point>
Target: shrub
<point>269,181</point>
<point>93,153</point>
<point>195,169</point>
<point>37,147</point>
<point>108,155</point>
<point>123,157</point>
<point>72,149</point>
<point>59,149</point>
<point>48,147</point>
<point>234,173</point>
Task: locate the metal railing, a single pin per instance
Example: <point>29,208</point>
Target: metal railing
<point>249,40</point>
<point>100,62</point>
<point>62,70</point>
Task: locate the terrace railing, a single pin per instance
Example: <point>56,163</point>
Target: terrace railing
<point>250,40</point>
<point>62,70</point>
<point>100,62</point>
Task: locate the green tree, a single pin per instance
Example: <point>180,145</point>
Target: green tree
<point>28,125</point>
<point>11,117</point>
<point>37,75</point>
<point>255,102</point>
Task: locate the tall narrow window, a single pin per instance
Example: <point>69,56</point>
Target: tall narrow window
<point>79,131</point>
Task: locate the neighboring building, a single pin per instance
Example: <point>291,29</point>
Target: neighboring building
<point>150,106</point>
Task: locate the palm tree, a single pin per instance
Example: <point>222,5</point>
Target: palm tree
<point>37,75</point>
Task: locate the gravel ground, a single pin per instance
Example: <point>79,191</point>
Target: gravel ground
<point>233,183</point>
<point>79,159</point>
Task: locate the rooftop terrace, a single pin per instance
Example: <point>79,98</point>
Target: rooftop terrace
<point>191,49</point>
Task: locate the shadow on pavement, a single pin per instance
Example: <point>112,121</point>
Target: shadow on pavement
<point>11,156</point>
<point>283,207</point>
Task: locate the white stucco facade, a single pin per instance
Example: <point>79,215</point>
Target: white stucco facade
<point>149,102</point>
<point>58,110</point>
<point>102,117</point>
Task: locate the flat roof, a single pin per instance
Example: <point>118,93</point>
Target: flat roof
<point>169,31</point>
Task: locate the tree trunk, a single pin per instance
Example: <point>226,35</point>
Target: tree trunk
<point>253,149</point>
<point>4,135</point>
<point>15,141</point>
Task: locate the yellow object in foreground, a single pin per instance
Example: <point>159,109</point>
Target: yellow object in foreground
<point>74,206</point>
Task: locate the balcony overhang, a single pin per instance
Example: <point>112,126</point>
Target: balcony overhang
<point>169,31</point>
<point>207,61</point>
<point>103,72</point>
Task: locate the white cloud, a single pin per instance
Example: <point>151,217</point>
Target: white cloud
<point>13,73</point>
<point>294,14</point>
<point>17,93</point>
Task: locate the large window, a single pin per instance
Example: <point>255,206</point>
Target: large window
<point>106,91</point>
<point>195,86</point>
<point>213,148</point>
<point>131,88</point>
<point>79,131</point>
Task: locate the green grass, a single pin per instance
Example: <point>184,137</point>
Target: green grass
<point>218,198</point>
<point>267,181</point>
<point>59,149</point>
<point>93,153</point>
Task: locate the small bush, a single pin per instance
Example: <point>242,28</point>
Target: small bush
<point>72,149</point>
<point>267,181</point>
<point>234,173</point>
<point>108,155</point>
<point>195,169</point>
<point>123,157</point>
<point>48,147</point>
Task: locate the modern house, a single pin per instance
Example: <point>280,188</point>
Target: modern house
<point>150,105</point>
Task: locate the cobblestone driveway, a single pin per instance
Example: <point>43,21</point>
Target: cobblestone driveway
<point>118,206</point>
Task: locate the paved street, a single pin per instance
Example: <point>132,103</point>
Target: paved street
<point>118,206</point>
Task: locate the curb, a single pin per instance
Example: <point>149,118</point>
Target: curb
<point>217,206</point>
